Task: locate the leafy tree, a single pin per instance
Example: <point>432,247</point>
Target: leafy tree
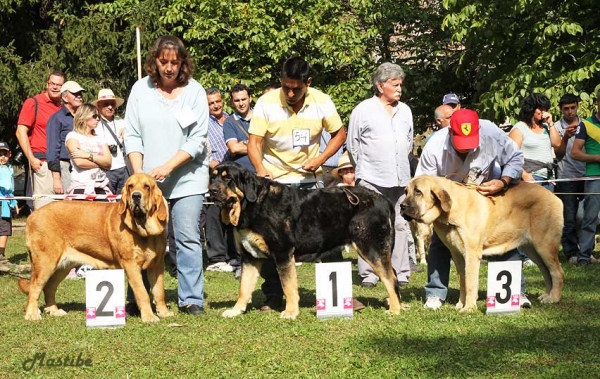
<point>510,48</point>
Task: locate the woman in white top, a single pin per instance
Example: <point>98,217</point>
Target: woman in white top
<point>536,139</point>
<point>90,155</point>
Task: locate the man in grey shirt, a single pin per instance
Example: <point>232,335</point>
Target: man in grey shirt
<point>380,136</point>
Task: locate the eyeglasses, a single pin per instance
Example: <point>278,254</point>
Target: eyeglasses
<point>52,84</point>
<point>107,104</point>
<point>95,117</point>
<point>4,153</point>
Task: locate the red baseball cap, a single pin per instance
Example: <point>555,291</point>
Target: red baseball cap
<point>464,125</point>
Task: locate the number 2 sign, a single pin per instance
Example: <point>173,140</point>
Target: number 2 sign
<point>334,289</point>
<point>105,298</point>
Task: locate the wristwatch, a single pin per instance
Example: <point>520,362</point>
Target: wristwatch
<point>505,183</point>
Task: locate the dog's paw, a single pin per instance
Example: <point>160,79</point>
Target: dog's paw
<point>459,305</point>
<point>37,316</point>
<point>150,318</point>
<point>164,314</point>
<point>468,309</point>
<point>231,313</point>
<point>548,299</point>
<point>55,311</point>
<point>289,315</point>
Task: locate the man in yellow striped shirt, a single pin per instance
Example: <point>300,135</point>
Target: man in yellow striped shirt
<point>285,135</point>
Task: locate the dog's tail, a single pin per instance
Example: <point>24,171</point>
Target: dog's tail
<point>24,285</point>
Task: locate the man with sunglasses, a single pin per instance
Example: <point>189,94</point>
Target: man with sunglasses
<point>59,125</point>
<point>31,133</point>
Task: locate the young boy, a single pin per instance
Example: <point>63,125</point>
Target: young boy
<point>7,187</point>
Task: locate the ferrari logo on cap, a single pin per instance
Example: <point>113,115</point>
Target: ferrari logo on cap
<point>466,128</point>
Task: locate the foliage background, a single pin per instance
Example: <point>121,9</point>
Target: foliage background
<point>492,53</point>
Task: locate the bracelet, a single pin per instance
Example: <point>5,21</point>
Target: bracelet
<point>505,183</point>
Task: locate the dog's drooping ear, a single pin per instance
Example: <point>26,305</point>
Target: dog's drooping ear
<point>443,197</point>
<point>159,204</point>
<point>123,202</point>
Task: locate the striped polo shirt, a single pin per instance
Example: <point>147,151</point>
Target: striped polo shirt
<point>291,138</point>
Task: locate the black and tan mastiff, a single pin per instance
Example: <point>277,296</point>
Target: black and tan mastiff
<point>473,226</point>
<point>274,220</point>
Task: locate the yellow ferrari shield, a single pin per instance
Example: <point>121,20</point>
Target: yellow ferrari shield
<point>466,128</point>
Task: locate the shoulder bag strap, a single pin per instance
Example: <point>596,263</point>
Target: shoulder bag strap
<point>106,126</point>
<point>240,127</point>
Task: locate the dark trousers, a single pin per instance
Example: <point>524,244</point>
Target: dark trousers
<point>220,245</point>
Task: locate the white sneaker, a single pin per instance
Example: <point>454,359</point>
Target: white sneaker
<point>528,263</point>
<point>525,303</point>
<point>433,302</point>
<point>220,266</point>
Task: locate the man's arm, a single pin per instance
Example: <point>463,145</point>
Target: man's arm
<point>337,140</point>
<point>22,134</point>
<point>255,153</point>
<point>578,154</point>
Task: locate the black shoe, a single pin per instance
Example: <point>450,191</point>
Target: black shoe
<point>132,310</point>
<point>272,303</point>
<point>368,284</point>
<point>192,309</point>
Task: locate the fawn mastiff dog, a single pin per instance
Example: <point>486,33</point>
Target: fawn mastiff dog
<point>274,220</point>
<point>130,234</point>
<point>472,225</point>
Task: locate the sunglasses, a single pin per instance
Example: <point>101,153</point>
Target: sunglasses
<point>108,103</point>
<point>4,153</point>
<point>95,117</point>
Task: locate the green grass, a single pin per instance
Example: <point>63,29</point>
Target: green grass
<point>548,341</point>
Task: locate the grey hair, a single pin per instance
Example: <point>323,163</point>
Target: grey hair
<point>212,91</point>
<point>385,72</point>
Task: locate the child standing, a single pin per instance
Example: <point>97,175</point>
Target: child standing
<point>7,188</point>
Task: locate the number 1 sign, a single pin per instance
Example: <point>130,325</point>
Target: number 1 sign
<point>334,289</point>
<point>105,298</point>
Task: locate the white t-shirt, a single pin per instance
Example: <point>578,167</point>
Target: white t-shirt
<point>117,126</point>
<point>89,144</point>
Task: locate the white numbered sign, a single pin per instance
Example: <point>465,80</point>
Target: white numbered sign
<point>504,287</point>
<point>334,289</point>
<point>105,298</point>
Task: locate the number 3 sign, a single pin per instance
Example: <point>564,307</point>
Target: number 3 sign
<point>504,287</point>
<point>105,298</point>
<point>334,289</point>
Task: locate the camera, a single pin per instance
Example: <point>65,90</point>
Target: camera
<point>113,149</point>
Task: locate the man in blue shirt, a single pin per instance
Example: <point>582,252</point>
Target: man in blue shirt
<point>235,128</point>
<point>59,125</point>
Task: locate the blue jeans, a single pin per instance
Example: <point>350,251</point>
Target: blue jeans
<point>570,235</point>
<point>185,213</point>
<point>438,268</point>
<point>587,233</point>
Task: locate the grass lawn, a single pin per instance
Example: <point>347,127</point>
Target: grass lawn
<point>547,341</point>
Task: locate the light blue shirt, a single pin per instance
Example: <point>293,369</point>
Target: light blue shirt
<point>495,150</point>
<point>333,160</point>
<point>158,127</point>
<point>379,143</point>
